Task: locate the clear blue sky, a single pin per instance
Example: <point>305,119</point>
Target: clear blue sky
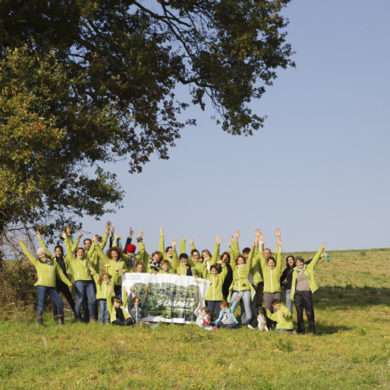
<point>318,169</point>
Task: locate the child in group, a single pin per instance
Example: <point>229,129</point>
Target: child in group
<point>119,314</point>
<point>303,286</point>
<point>203,318</point>
<point>165,267</point>
<point>286,281</point>
<point>282,316</point>
<point>113,265</point>
<point>226,318</point>
<point>47,271</point>
<point>214,294</point>
<point>104,292</point>
<point>181,265</point>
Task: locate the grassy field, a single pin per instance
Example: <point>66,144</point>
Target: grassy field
<point>351,351</point>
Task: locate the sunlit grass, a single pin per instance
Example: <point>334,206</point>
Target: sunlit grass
<point>351,351</point>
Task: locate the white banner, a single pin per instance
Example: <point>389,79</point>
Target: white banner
<point>166,297</point>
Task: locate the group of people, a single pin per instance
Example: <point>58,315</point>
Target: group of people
<point>254,279</point>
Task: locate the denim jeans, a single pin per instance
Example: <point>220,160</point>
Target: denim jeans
<point>244,298</point>
<point>103,311</point>
<point>85,296</point>
<point>289,302</point>
<point>56,300</point>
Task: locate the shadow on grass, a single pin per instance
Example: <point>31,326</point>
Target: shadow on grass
<point>351,296</point>
<point>331,329</point>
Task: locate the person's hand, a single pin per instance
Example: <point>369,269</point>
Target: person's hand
<point>81,234</point>
<point>113,229</point>
<point>218,240</point>
<point>173,244</point>
<point>322,247</point>
<point>95,238</point>
<point>108,226</point>
<point>131,231</point>
<point>278,233</point>
<point>68,230</point>
<point>161,231</point>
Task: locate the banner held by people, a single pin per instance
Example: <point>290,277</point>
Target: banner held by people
<point>166,297</point>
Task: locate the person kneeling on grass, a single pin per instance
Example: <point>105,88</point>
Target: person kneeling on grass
<point>203,317</point>
<point>282,316</point>
<point>226,317</point>
<point>119,315</point>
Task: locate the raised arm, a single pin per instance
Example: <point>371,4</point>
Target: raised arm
<point>42,244</point>
<point>105,235</point>
<point>27,253</point>
<point>175,259</point>
<point>316,257</point>
<point>279,260</point>
<point>183,246</point>
<point>217,249</point>
<point>259,256</point>
<point>162,242</point>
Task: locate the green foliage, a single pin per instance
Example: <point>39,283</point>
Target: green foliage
<point>84,83</point>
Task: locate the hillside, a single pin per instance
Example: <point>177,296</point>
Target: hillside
<point>351,351</point>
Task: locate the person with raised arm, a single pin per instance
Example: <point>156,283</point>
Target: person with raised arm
<point>91,251</point>
<point>61,287</point>
<point>272,270</point>
<point>181,265</point>
<point>152,262</point>
<point>79,267</point>
<point>214,294</point>
<point>241,288</point>
<point>303,286</point>
<point>47,271</point>
<point>166,252</point>
<point>113,265</point>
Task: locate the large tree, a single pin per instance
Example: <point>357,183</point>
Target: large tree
<point>83,83</point>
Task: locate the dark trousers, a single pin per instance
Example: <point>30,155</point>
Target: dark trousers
<point>257,303</point>
<point>214,309</point>
<point>62,288</point>
<point>56,300</point>
<point>123,322</point>
<point>304,301</point>
<point>118,291</point>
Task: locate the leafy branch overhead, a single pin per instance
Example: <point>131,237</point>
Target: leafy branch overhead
<point>89,82</point>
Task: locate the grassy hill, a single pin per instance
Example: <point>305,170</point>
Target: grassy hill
<point>351,351</point>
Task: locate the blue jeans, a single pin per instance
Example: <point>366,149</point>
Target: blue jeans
<point>85,296</point>
<point>103,311</point>
<point>244,298</point>
<point>56,300</point>
<point>289,302</point>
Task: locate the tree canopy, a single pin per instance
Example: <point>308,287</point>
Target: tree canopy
<point>83,83</point>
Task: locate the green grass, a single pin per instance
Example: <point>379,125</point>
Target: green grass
<point>351,351</point>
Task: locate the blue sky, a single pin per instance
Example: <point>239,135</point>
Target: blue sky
<point>318,168</point>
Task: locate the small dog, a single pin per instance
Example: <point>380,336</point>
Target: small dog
<point>262,322</point>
